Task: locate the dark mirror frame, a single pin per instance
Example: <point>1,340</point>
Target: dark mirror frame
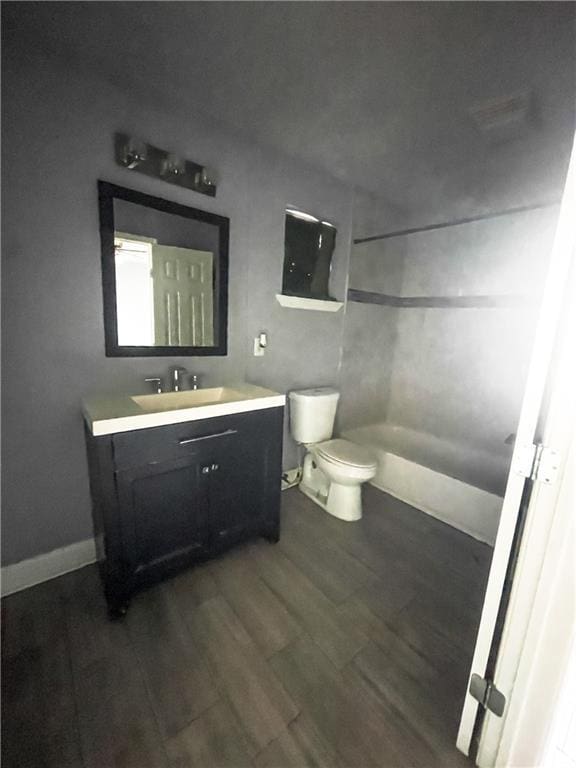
<point>107,193</point>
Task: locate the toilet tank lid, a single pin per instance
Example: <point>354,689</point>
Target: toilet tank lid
<point>305,394</point>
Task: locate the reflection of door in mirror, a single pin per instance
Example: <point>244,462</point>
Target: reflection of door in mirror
<point>182,296</point>
<point>163,293</point>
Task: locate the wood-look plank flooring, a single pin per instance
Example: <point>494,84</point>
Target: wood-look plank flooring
<point>346,645</point>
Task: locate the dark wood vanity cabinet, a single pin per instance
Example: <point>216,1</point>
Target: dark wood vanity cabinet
<point>166,497</point>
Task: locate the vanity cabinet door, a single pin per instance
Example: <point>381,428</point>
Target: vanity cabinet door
<point>236,494</point>
<point>245,482</point>
<point>165,507</point>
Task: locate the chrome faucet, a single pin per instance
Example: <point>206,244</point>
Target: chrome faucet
<point>176,375</point>
<point>157,383</point>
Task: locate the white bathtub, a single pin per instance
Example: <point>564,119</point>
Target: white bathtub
<point>459,485</point>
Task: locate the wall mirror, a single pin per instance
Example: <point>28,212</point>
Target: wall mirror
<point>164,276</point>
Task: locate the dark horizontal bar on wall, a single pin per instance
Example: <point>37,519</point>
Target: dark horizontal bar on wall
<point>456,223</point>
<point>439,302</point>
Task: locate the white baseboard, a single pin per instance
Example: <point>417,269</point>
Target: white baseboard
<point>27,573</point>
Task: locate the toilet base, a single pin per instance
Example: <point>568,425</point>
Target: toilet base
<point>342,501</point>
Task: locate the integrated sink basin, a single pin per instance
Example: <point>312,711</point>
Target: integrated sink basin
<point>124,413</point>
<point>172,401</point>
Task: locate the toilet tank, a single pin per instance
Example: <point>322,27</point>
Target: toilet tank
<point>312,413</point>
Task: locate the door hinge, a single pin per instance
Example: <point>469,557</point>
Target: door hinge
<point>537,462</point>
<point>485,692</point>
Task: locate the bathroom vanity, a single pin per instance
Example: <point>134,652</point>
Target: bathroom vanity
<point>177,478</point>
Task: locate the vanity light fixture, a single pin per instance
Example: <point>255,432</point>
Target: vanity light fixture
<point>137,155</point>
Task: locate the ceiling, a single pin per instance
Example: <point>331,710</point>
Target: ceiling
<point>378,94</point>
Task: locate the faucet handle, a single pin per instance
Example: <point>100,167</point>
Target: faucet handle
<point>158,381</point>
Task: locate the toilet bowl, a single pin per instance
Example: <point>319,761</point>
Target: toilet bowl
<point>344,462</point>
<point>333,469</point>
<point>345,466</point>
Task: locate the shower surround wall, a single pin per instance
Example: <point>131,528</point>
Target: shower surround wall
<point>369,335</point>
<point>370,330</point>
<point>58,126</point>
<point>456,373</point>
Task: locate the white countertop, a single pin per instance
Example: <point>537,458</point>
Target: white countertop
<point>124,413</point>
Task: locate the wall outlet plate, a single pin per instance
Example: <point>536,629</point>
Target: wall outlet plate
<point>258,350</point>
<point>291,477</point>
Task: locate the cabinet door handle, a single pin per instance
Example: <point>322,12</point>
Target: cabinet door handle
<point>226,432</point>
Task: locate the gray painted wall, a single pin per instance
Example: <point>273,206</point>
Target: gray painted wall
<point>370,335</point>
<point>369,330</point>
<point>460,373</point>
<point>455,373</point>
<point>367,359</point>
<point>57,141</point>
<point>167,228</point>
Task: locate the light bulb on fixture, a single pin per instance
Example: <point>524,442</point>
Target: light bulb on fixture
<point>134,153</point>
<point>205,178</point>
<point>172,165</point>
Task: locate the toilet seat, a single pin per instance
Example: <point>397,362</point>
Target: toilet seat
<point>344,453</point>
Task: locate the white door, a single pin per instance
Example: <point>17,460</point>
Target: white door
<point>183,303</point>
<point>518,486</point>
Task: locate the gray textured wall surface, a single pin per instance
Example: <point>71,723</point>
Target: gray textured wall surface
<point>57,141</point>
<point>456,373</point>
<point>167,228</point>
<point>370,331</point>
<point>460,373</point>
<point>370,334</point>
<point>367,359</point>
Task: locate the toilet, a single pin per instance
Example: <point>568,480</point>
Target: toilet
<point>334,469</point>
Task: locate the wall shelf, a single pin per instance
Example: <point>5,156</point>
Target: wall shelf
<point>440,302</point>
<point>299,302</point>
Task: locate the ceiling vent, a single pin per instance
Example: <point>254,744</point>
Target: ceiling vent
<point>505,118</point>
